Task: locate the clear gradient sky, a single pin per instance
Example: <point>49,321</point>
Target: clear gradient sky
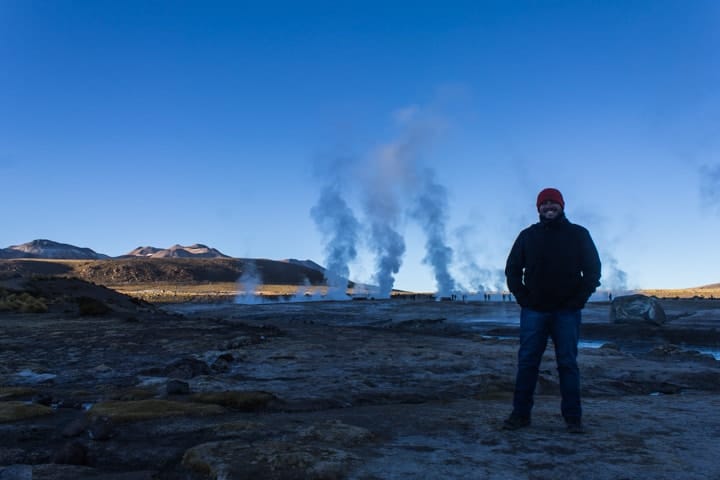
<point>129,123</point>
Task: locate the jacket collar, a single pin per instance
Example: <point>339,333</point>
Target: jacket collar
<point>555,222</point>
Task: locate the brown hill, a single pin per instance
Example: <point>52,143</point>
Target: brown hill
<point>126,271</point>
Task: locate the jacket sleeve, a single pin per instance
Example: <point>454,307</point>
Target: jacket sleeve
<point>591,270</point>
<point>514,271</point>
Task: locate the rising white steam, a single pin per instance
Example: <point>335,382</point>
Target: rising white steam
<point>431,212</point>
<point>306,293</point>
<point>389,182</point>
<point>613,278</point>
<point>248,283</point>
<point>339,227</point>
<point>477,278</point>
<point>390,170</point>
<point>389,247</point>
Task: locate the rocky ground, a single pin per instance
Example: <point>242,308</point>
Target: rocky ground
<point>360,390</point>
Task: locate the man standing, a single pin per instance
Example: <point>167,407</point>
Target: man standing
<point>552,270</point>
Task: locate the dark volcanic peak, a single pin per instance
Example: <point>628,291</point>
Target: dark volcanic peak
<point>10,253</point>
<point>43,248</point>
<point>196,250</point>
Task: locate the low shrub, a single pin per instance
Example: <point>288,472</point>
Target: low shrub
<point>91,306</point>
<point>21,302</point>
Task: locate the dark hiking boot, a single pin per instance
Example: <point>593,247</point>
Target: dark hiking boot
<point>514,422</point>
<point>574,425</point>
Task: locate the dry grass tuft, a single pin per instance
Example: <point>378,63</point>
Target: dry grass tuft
<point>14,411</point>
<point>700,292</point>
<point>133,411</point>
<point>21,302</point>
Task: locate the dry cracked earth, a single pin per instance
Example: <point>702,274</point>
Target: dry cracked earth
<point>361,390</point>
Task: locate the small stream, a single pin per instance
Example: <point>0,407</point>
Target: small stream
<point>630,346</point>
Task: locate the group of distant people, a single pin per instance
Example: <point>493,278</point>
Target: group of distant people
<point>506,297</point>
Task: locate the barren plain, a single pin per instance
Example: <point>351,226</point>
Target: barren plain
<point>362,390</point>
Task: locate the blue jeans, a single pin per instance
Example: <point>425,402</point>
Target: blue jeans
<point>563,326</point>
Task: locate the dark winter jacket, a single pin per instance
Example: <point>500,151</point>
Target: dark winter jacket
<point>553,265</point>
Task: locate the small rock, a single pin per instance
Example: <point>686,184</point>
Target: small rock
<point>101,428</point>
<point>103,369</point>
<point>72,453</point>
<point>223,362</point>
<point>177,387</point>
<point>43,399</point>
<point>75,428</point>
<point>187,368</point>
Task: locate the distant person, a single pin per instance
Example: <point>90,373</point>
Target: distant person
<point>552,270</point>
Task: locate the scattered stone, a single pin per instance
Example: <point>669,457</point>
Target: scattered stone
<point>187,368</point>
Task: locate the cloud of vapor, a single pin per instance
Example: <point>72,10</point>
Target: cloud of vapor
<point>248,283</point>
<point>478,278</point>
<point>431,212</point>
<point>395,175</point>
<point>710,186</point>
<point>340,229</point>
<point>384,241</point>
<point>388,180</point>
<point>613,278</point>
<point>305,293</point>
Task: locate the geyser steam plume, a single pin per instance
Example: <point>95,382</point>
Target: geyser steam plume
<point>388,171</point>
<point>338,225</point>
<point>389,247</point>
<point>248,283</point>
<point>431,212</point>
<point>480,279</point>
<point>613,278</point>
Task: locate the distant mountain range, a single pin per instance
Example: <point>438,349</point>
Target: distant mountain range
<point>51,250</point>
<point>48,249</point>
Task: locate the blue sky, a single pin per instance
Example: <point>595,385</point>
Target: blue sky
<point>154,123</point>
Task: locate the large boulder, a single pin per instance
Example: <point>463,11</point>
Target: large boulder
<point>637,309</point>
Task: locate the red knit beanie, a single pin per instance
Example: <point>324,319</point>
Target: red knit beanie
<point>550,194</point>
